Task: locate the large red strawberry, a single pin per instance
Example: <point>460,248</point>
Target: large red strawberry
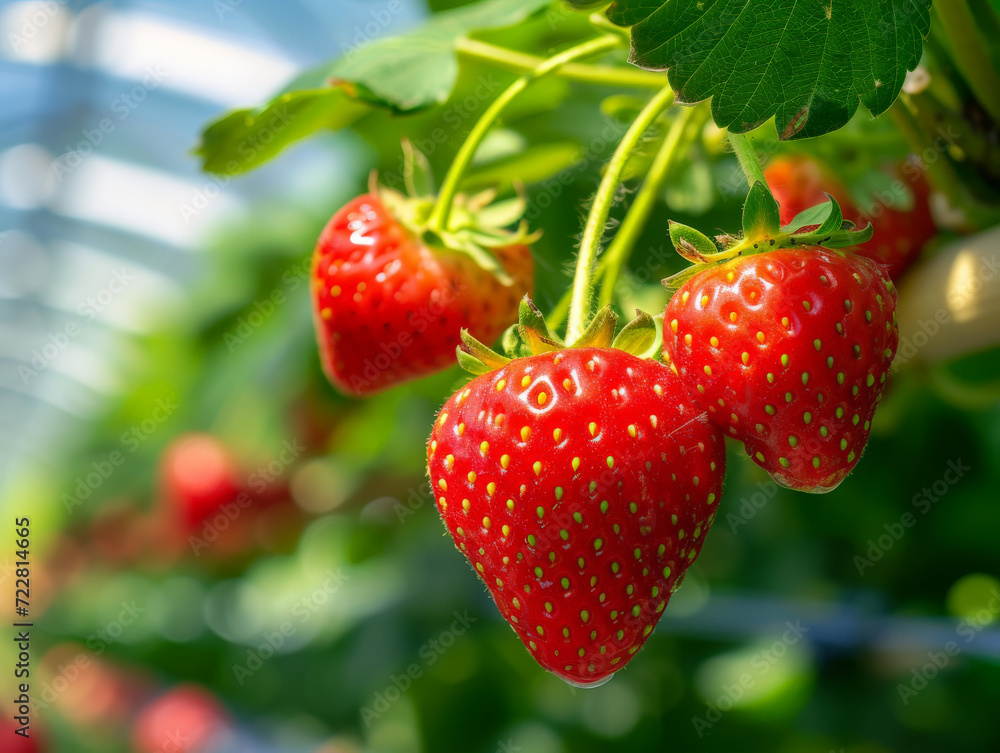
<point>899,213</point>
<point>788,349</point>
<point>580,483</point>
<point>389,303</point>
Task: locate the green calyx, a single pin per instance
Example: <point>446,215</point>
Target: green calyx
<point>822,225</point>
<point>477,224</point>
<point>641,337</point>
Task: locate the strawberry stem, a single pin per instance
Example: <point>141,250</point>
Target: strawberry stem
<point>438,219</point>
<point>747,156</point>
<point>522,62</point>
<point>583,280</point>
<point>682,132</point>
<point>969,53</point>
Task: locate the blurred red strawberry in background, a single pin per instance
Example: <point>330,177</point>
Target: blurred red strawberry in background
<point>198,475</point>
<point>900,213</point>
<point>185,719</point>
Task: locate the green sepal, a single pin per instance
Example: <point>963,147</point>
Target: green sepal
<point>536,342</point>
<point>601,331</point>
<point>693,245</point>
<point>845,237</point>
<point>676,280</point>
<point>476,358</point>
<point>417,176</point>
<point>638,336</point>
<point>471,247</point>
<point>477,224</point>
<point>833,230</point>
<point>761,216</point>
<point>529,316</point>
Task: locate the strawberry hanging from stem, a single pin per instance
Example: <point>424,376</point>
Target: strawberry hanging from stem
<point>580,482</point>
<point>787,338</point>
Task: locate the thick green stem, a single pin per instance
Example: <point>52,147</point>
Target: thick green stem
<point>617,255</point>
<point>969,52</point>
<point>521,62</point>
<point>583,280</point>
<point>438,219</point>
<point>747,155</point>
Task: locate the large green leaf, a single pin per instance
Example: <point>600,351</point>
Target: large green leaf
<point>808,63</point>
<point>243,139</point>
<point>406,73</point>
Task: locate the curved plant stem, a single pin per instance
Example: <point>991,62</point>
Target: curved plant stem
<point>618,252</point>
<point>438,218</point>
<point>521,62</point>
<point>583,280</point>
<point>969,52</point>
<point>747,155</point>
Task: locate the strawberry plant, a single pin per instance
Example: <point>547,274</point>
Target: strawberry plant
<point>571,469</point>
<point>648,344</point>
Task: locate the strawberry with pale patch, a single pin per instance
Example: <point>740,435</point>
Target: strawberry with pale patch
<point>787,344</point>
<point>580,483</point>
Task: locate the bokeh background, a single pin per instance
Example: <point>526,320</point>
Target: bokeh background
<point>155,332</point>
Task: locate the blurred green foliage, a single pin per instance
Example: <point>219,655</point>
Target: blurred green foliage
<point>370,586</point>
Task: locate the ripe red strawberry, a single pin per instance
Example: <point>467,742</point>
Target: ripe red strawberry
<point>799,182</point>
<point>388,307</point>
<point>580,484</point>
<point>185,719</point>
<point>900,234</point>
<point>198,475</point>
<point>789,351</point>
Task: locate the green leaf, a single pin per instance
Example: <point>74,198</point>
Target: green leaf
<point>418,69</point>
<point>243,139</point>
<point>690,243</point>
<point>807,63</point>
<point>638,336</point>
<point>406,73</point>
<point>761,217</point>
